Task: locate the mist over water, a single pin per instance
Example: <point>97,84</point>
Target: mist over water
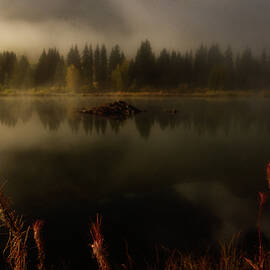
<point>182,180</point>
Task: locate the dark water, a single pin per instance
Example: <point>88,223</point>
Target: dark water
<point>182,181</point>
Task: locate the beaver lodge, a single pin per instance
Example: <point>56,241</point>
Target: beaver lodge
<point>118,110</point>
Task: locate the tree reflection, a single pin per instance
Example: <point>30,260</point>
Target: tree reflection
<point>51,113</point>
<point>144,123</point>
<point>201,116</point>
<point>87,121</point>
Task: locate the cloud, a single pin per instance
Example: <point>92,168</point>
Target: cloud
<point>173,23</point>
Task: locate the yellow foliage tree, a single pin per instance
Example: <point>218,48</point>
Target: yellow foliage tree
<point>73,78</point>
<point>120,76</point>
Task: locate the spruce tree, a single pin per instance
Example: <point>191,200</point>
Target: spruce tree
<point>74,58</point>
<point>229,69</point>
<point>116,58</point>
<point>145,68</point>
<point>87,65</point>
<point>103,66</point>
<point>41,69</point>
<point>97,64</point>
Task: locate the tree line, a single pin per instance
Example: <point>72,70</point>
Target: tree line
<point>95,69</point>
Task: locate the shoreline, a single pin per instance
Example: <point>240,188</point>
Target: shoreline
<point>192,94</point>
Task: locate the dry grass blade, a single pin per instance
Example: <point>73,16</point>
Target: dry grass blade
<point>98,248</point>
<point>230,256</point>
<point>252,264</point>
<point>16,247</point>
<point>37,227</point>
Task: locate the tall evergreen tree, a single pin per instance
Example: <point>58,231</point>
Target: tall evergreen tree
<point>97,63</point>
<point>145,68</point>
<point>60,73</point>
<point>216,69</point>
<point>116,58</point>
<point>8,62</point>
<point>22,74</point>
<point>48,65</point>
<point>229,69</point>
<point>103,66</point>
<point>187,69</point>
<point>87,65</point>
<point>201,67</point>
<point>264,70</point>
<point>41,69</point>
<point>163,64</point>
<point>247,70</point>
<point>175,69</point>
<point>91,65</point>
<point>74,58</point>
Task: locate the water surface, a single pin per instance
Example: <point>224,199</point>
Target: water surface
<point>181,181</point>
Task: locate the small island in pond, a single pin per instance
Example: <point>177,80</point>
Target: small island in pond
<point>118,110</point>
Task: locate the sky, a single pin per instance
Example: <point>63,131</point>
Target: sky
<point>28,26</point>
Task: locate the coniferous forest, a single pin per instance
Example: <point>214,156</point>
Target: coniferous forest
<point>97,69</point>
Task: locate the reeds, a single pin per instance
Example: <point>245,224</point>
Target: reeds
<point>98,247</point>
<point>259,261</point>
<point>230,255</point>
<point>229,258</point>
<point>37,227</point>
<point>16,247</point>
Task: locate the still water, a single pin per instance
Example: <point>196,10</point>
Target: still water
<point>181,181</point>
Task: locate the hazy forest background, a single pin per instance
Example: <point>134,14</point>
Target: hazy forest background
<point>96,69</point>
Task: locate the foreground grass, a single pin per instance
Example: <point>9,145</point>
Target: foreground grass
<point>23,239</point>
<point>229,256</point>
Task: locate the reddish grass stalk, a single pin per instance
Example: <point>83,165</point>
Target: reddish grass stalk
<point>268,174</point>
<point>262,201</point>
<point>37,227</point>
<point>98,248</point>
<point>263,196</point>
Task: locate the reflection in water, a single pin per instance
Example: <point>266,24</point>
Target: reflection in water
<point>178,180</point>
<point>204,116</point>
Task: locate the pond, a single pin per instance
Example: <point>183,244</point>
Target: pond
<point>184,180</point>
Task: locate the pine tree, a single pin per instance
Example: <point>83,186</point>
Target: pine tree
<point>91,65</point>
<point>201,67</point>
<point>47,67</point>
<point>41,69</point>
<point>22,74</point>
<point>60,73</point>
<point>229,82</point>
<point>264,70</point>
<point>53,59</point>
<point>145,68</point>
<point>97,64</point>
<point>216,69</point>
<point>8,62</point>
<point>87,65</point>
<point>187,69</point>
<point>247,70</point>
<point>103,66</point>
<point>163,64</point>
<point>74,58</point>
<point>116,58</point>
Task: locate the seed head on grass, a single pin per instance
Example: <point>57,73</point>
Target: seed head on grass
<point>37,227</point>
<point>98,247</point>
